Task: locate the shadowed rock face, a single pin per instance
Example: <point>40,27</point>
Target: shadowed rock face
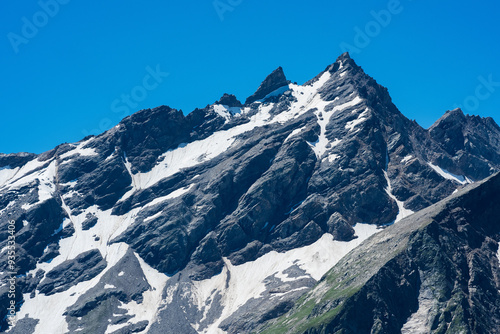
<point>273,81</point>
<point>83,268</point>
<point>195,196</point>
<point>15,160</point>
<point>472,142</point>
<point>229,100</point>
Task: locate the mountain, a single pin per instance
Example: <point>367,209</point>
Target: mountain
<point>220,220</point>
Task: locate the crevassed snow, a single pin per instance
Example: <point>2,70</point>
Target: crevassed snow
<point>246,281</point>
<point>222,111</point>
<point>226,111</point>
<point>450,176</point>
<point>402,211</point>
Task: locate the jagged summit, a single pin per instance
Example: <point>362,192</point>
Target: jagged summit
<point>273,81</point>
<point>344,56</point>
<point>229,100</point>
<point>345,62</point>
<point>457,115</point>
<point>450,115</point>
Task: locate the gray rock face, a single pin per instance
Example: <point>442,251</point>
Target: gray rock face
<point>69,273</point>
<point>471,141</point>
<point>89,222</point>
<point>15,160</point>
<point>195,195</point>
<point>123,283</point>
<point>273,81</point>
<point>229,100</point>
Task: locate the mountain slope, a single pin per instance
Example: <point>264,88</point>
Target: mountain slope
<point>434,272</point>
<point>280,187</point>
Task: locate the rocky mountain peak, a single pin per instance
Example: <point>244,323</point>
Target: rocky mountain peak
<point>229,100</point>
<point>458,133</point>
<point>455,115</point>
<point>344,56</point>
<point>343,61</point>
<point>273,81</point>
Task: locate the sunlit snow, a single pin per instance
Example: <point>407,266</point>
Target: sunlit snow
<point>450,176</point>
<point>246,281</point>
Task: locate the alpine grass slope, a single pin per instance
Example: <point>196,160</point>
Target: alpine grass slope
<point>233,219</point>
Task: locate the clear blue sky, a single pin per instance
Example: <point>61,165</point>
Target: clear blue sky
<point>68,76</point>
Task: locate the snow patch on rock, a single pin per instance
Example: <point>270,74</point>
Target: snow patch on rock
<point>402,211</point>
<point>247,281</point>
<point>450,176</point>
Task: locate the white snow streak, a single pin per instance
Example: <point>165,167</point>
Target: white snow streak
<point>294,133</point>
<point>406,159</point>
<point>80,150</point>
<point>402,211</point>
<point>321,146</point>
<point>361,118</point>
<point>450,176</point>
<point>20,177</point>
<point>173,194</point>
